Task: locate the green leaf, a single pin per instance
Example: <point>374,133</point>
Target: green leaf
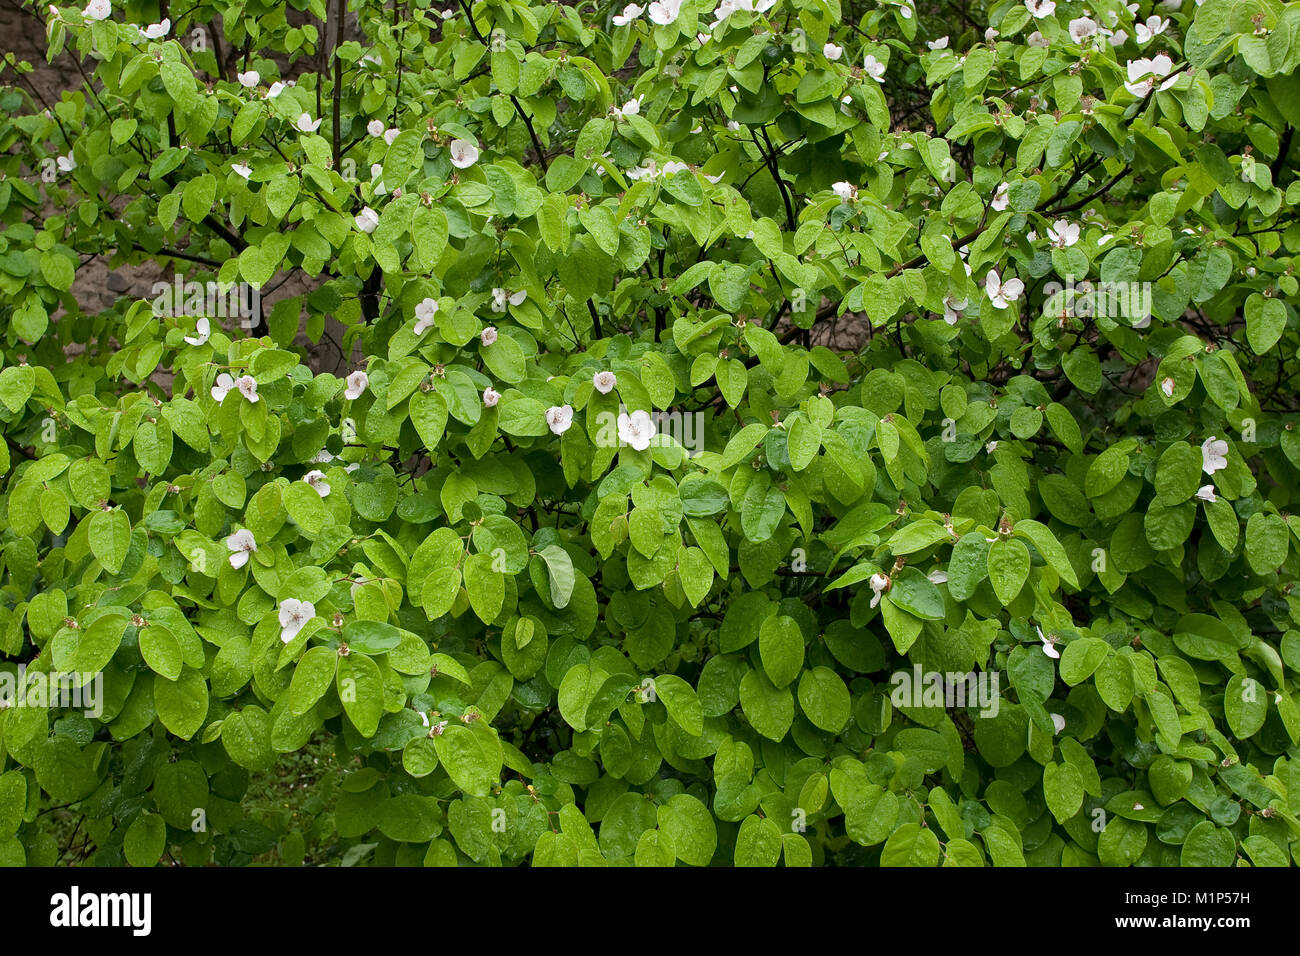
<point>1081,658</point>
<point>1267,542</point>
<point>361,690</point>
<point>1265,322</point>
<point>1008,568</point>
<point>1063,790</point>
<point>110,538</point>
<point>758,843</point>
<point>311,679</point>
<point>17,382</point>
<point>769,709</point>
<point>681,702</point>
<point>559,568</point>
<point>688,825</point>
<point>1245,704</point>
<point>911,845</point>
<point>145,840</point>
<point>824,699</point>
<point>471,755</point>
<point>161,651</point>
<point>780,645</point>
<point>182,704</point>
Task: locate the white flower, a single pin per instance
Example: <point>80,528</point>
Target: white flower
<point>225,382</point>
<point>648,171</point>
<point>1119,39</point>
<point>874,68</point>
<point>846,191</point>
<point>604,382</point>
<point>391,134</point>
<point>832,52</point>
<point>156,31</point>
<point>242,169</point>
<point>1214,455</point>
<point>488,336</point>
<point>247,386</point>
<point>202,329</point>
<point>241,545</point>
<point>906,11</point>
<point>294,615</point>
<point>274,90</point>
<point>673,166</point>
<point>306,124</point>
<point>1058,722</point>
<point>1001,198</point>
<point>424,313</point>
<point>1049,644</point>
<point>357,383</point>
<point>491,396</point>
<point>367,220</point>
<point>953,308</point>
<point>559,418</point>
<point>939,44</point>
<point>631,108</point>
<point>990,448</point>
<point>1082,28</point>
<point>249,79</point>
<point>1146,32</point>
<point>636,429</point>
<point>1037,39</point>
<point>630,13</point>
<point>990,35</point>
<point>1041,8</point>
<point>98,10</point>
<point>879,584</point>
<point>463,153</point>
<point>1063,234</point>
<point>375,128</point>
<point>1206,493</point>
<point>66,164</point>
<point>322,457</point>
<point>1002,293</point>
<point>727,7</point>
<point>500,297</point>
<point>1167,386</point>
<point>938,577</point>
<point>1143,73</point>
<point>317,480</point>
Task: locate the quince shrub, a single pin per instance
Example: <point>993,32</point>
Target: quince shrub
<point>604,550</point>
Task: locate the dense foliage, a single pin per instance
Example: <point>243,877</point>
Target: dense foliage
<point>605,550</point>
